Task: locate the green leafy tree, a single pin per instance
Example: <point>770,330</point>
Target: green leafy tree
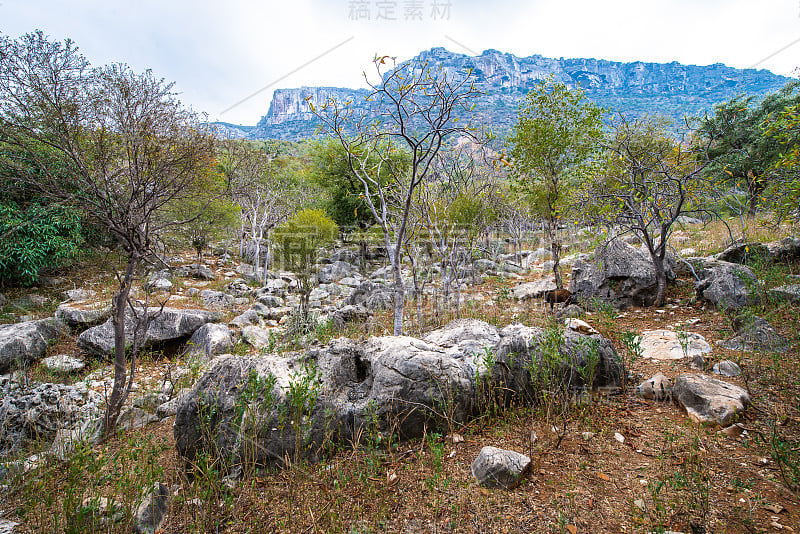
<point>35,237</point>
<point>211,212</point>
<point>743,157</point>
<point>784,127</point>
<point>556,133</point>
<point>299,240</point>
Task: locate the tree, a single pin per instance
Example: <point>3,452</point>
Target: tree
<point>211,211</point>
<point>784,127</point>
<point>34,237</point>
<point>742,155</point>
<point>264,190</point>
<point>455,209</point>
<point>131,148</point>
<point>647,181</point>
<point>299,240</point>
<point>555,135</point>
<point>344,194</point>
<point>414,109</point>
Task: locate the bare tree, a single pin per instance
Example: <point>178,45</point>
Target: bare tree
<point>131,148</point>
<point>263,193</point>
<point>455,209</point>
<point>413,108</point>
<point>650,179</point>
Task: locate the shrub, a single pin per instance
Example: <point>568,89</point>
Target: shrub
<point>36,237</point>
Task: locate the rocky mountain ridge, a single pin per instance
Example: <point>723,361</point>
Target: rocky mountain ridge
<point>635,88</point>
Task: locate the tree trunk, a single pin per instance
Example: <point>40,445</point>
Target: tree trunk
<point>661,277</point>
<point>118,305</point>
<point>399,292</point>
<point>555,248</point>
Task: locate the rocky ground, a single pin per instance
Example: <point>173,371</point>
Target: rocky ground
<point>688,420</point>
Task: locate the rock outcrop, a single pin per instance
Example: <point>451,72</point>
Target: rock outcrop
<point>619,274</point>
<point>726,285</point>
<point>36,413</point>
<point>386,385</point>
<point>168,324</point>
<point>24,343</point>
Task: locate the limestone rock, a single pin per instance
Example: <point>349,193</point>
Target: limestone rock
<point>499,468</point>
<point>216,299</point>
<point>63,364</point>
<point>198,272</point>
<point>255,336</point>
<point>727,368</point>
<point>708,400</point>
<point>535,289</point>
<point>755,334</point>
<point>788,292</point>
<point>659,387</point>
<point>726,285</point>
<point>335,271</point>
<point>22,344</point>
<point>38,412</point>
<point>152,511</point>
<point>168,324</point>
<point>82,315</point>
<point>619,274</point>
<point>373,296</point>
<point>743,253</point>
<point>211,339</point>
<point>666,345</point>
<point>391,384</point>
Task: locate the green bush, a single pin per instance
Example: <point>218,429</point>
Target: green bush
<point>298,241</point>
<point>36,237</point>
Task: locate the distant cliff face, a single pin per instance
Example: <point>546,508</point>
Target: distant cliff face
<point>292,104</point>
<point>670,89</point>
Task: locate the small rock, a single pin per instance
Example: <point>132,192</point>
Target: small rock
<point>63,364</point>
<point>727,368</point>
<point>152,511</point>
<point>619,437</point>
<point>659,387</point>
<point>580,326</point>
<point>733,430</point>
<point>500,468</point>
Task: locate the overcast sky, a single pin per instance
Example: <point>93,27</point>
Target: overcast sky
<point>221,52</point>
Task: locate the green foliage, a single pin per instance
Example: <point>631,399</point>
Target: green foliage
<point>345,201</point>
<point>556,133</point>
<point>552,144</point>
<point>783,126</point>
<point>36,237</point>
<point>299,240</point>
<point>210,212</point>
<point>747,139</point>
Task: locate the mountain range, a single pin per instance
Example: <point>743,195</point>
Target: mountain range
<point>636,88</point>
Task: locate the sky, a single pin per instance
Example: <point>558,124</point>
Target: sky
<point>226,57</point>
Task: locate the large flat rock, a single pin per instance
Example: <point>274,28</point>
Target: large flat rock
<point>708,400</point>
<point>165,325</point>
